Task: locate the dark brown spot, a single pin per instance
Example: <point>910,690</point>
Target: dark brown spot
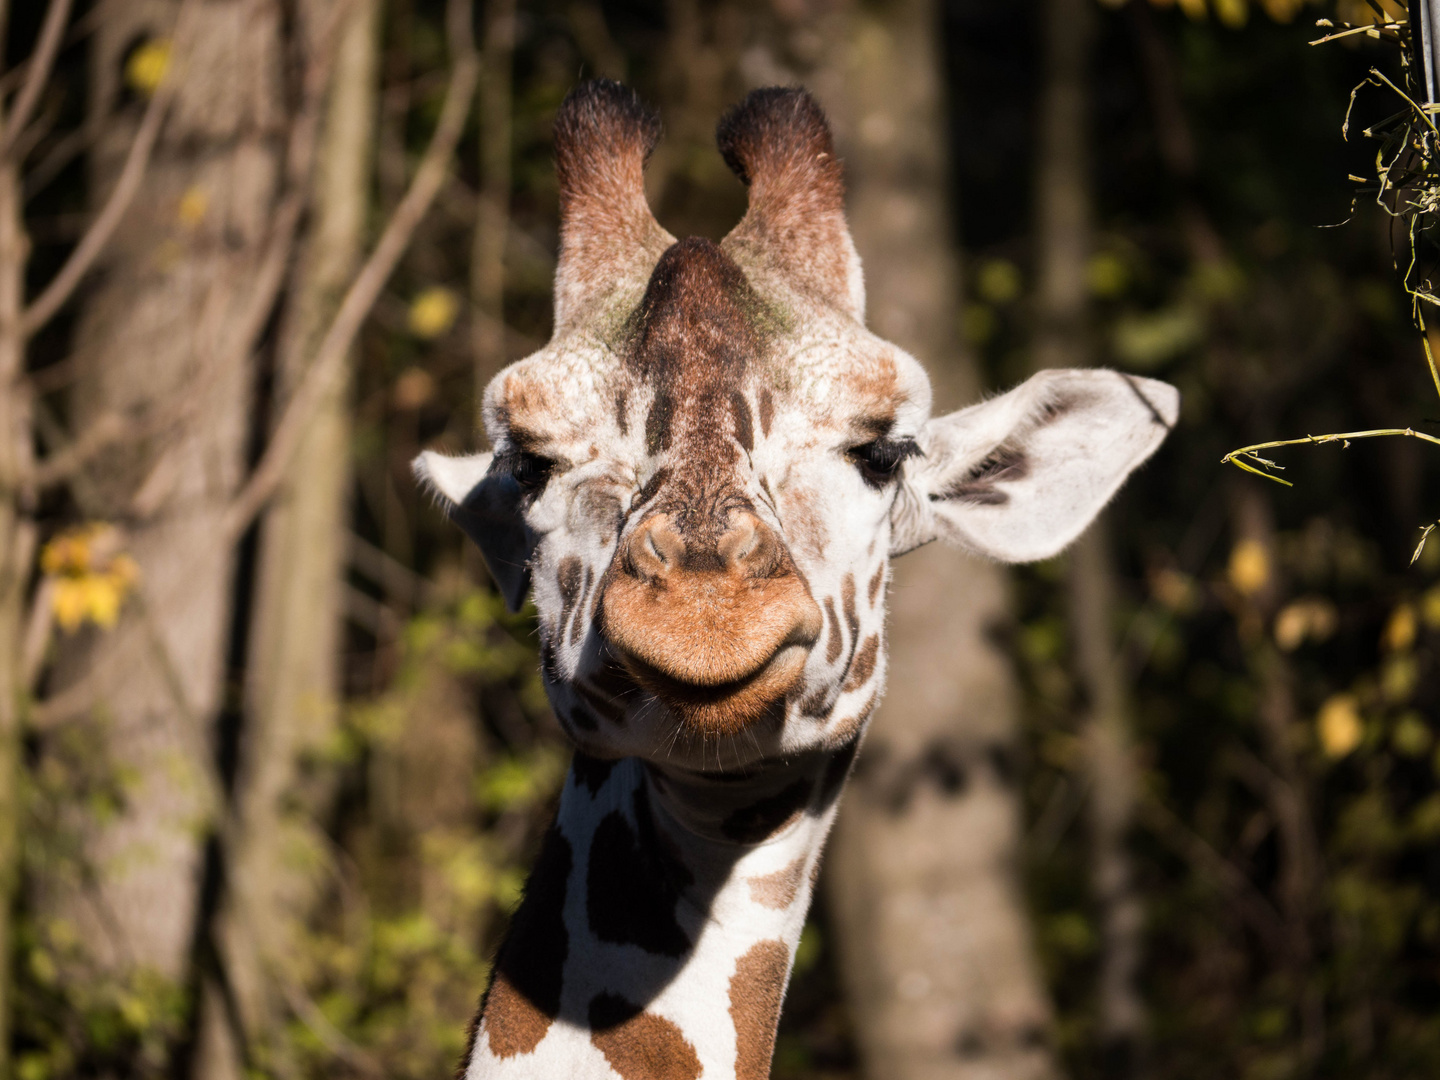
<point>777,891</point>
<point>577,625</point>
<point>756,991</point>
<point>632,888</point>
<point>847,599</point>
<point>577,717</point>
<point>816,703</point>
<point>590,771</point>
<point>655,483</point>
<point>622,412</point>
<point>978,485</point>
<point>834,639</point>
<point>876,582</point>
<point>837,770</point>
<point>568,575</point>
<point>640,1045</point>
<point>657,423</point>
<point>524,996</point>
<point>847,730</point>
<point>863,666</point>
<point>767,816</point>
<point>744,426</point>
<point>767,411</point>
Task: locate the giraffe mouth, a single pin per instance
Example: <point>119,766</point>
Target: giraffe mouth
<point>727,708</point>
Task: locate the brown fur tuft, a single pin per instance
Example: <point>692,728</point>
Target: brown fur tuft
<point>778,142</point>
<point>608,237</point>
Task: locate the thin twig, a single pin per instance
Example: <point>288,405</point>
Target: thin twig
<point>329,361</point>
<point>43,59</point>
<point>1235,457</point>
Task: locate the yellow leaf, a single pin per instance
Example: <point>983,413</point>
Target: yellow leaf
<point>1195,9</point>
<point>432,312</point>
<point>1291,625</point>
<point>1232,13</point>
<point>146,68</point>
<point>1339,726</point>
<point>1411,736</point>
<point>1430,608</point>
<point>1313,617</point>
<point>68,602</point>
<point>193,205</point>
<point>102,599</point>
<point>1400,630</point>
<point>1282,11</point>
<point>1249,567</point>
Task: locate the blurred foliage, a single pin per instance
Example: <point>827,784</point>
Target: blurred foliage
<point>1284,655</point>
<point>1286,687</point>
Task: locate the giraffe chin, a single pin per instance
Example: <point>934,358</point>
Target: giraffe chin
<point>721,709</point>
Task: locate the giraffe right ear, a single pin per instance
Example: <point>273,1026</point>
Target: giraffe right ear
<point>1020,476</point>
<point>486,504</point>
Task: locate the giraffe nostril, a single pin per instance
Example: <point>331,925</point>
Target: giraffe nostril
<point>656,549</point>
<point>750,546</point>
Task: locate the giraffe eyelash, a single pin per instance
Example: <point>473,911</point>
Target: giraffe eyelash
<point>530,471</point>
<point>880,459</point>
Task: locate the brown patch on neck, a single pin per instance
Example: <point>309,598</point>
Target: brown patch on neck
<point>770,815</point>
<point>640,1045</point>
<point>777,891</point>
<point>757,990</point>
<point>524,996</point>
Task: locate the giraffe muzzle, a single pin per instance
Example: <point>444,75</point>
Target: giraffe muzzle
<point>718,628</point>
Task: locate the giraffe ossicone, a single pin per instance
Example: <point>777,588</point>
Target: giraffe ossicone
<point>703,478</point>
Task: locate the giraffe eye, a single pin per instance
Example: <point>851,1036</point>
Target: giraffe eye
<point>531,471</point>
<point>879,461</point>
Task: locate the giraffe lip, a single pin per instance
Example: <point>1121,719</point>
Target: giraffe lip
<point>727,707</point>
<point>707,630</point>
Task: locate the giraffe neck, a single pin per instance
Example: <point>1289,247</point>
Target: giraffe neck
<point>659,926</point>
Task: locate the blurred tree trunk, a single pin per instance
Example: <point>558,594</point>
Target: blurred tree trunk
<point>1063,224</point>
<point>17,544</point>
<point>275,852</point>
<point>934,942</point>
<point>492,217</point>
<point>168,323</point>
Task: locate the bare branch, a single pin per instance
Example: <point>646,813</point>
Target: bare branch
<point>101,434</point>
<point>41,62</point>
<point>44,307</point>
<point>329,361</point>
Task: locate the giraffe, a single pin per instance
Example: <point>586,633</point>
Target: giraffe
<point>703,477</point>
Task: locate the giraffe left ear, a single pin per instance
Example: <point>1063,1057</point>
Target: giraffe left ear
<point>486,504</point>
<point>1019,477</point>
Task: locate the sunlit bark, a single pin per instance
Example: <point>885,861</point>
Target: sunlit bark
<point>276,854</point>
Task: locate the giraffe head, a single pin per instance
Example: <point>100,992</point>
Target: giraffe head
<point>705,473</point>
